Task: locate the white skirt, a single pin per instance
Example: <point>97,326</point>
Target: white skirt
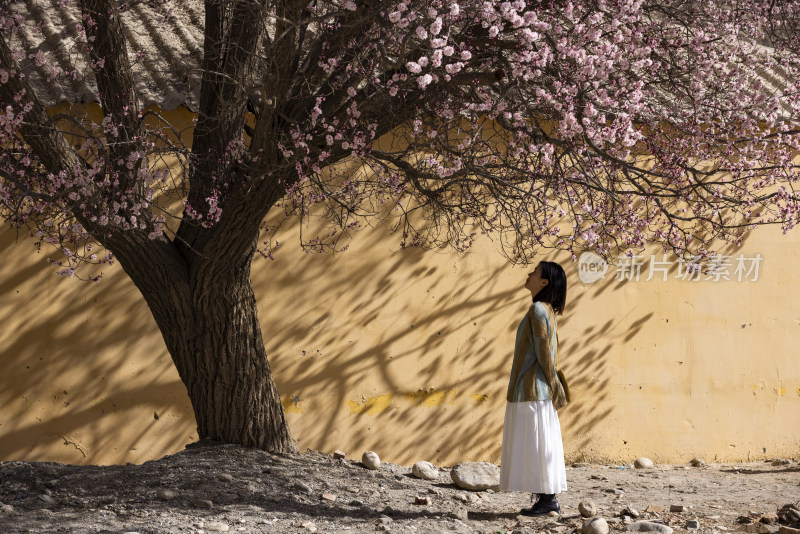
<point>533,453</point>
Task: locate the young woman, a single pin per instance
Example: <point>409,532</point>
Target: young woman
<point>533,454</point>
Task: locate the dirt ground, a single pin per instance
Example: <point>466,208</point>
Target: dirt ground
<point>225,488</point>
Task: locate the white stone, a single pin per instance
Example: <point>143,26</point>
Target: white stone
<point>216,526</point>
<point>643,463</point>
<point>631,511</point>
<point>371,460</point>
<point>476,476</point>
<point>595,525</point>
<point>425,471</point>
<point>648,526</point>
<point>225,477</point>
<point>587,509</point>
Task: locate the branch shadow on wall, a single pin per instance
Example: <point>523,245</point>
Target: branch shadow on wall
<point>438,375</point>
<point>86,377</point>
<point>86,369</point>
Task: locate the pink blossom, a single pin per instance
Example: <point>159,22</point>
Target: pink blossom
<point>454,68</point>
<point>437,58</point>
<point>413,67</point>
<point>39,58</point>
<point>436,26</point>
<point>424,80</point>
<point>611,80</point>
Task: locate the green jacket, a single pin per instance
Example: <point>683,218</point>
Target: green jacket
<point>533,373</point>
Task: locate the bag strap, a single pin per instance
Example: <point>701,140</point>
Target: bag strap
<point>558,366</point>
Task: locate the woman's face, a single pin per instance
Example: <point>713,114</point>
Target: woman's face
<point>535,282</point>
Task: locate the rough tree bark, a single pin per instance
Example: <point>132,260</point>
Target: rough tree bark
<point>207,314</point>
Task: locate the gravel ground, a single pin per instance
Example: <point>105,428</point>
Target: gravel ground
<point>225,488</point>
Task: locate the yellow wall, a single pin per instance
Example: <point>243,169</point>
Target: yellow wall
<point>407,353</point>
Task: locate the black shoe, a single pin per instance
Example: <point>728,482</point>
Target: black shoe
<point>545,505</point>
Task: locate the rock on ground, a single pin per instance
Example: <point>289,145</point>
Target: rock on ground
<point>371,460</point>
<point>649,526</point>
<point>425,471</point>
<point>595,525</point>
<point>476,476</point>
<point>643,463</point>
<point>587,508</point>
<point>630,511</point>
<point>166,494</point>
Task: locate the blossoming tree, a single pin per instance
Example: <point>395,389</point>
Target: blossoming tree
<point>587,124</point>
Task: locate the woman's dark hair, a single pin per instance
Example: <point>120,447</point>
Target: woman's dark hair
<point>555,292</point>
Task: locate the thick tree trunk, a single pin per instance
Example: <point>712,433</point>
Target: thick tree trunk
<point>207,314</point>
<point>225,367</point>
